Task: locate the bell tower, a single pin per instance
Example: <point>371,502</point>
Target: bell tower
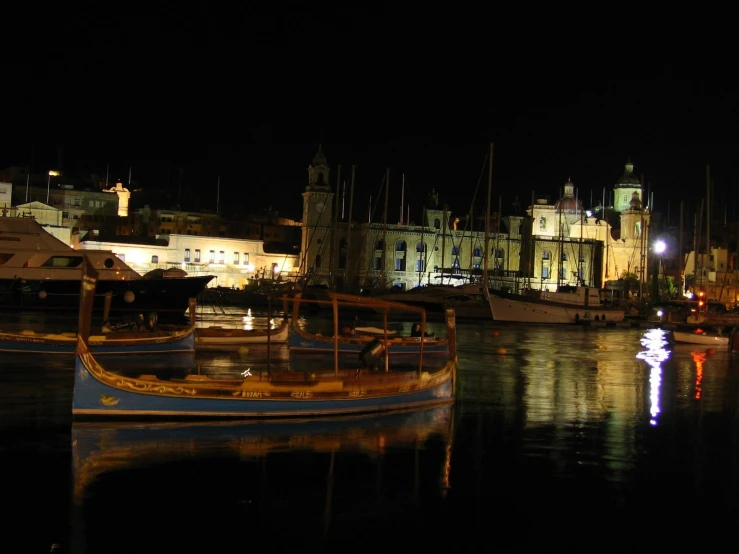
<point>317,217</point>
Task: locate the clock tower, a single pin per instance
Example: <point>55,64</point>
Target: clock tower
<point>317,216</point>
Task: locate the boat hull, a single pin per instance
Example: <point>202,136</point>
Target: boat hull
<point>691,337</point>
<point>301,342</point>
<point>524,310</point>
<point>165,295</point>
<point>111,343</point>
<point>218,336</point>
<point>99,393</point>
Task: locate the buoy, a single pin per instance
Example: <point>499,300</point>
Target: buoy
<point>129,296</point>
<point>502,350</point>
<point>710,351</point>
<point>495,333</point>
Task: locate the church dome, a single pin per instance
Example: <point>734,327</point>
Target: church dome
<point>628,179</point>
<point>568,203</point>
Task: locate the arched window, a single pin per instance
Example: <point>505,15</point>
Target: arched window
<point>437,223</point>
<point>420,247</point>
<point>477,252</point>
<point>543,223</point>
<point>400,246</point>
<point>379,244</point>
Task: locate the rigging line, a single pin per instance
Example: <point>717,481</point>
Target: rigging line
<point>379,192</point>
<point>471,210</point>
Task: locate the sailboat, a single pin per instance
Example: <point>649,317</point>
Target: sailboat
<point>568,304</point>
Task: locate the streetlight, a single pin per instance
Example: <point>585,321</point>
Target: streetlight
<point>659,248</point>
<point>52,173</point>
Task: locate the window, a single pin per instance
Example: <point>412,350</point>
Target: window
<point>197,256</point>
<point>377,265</point>
<point>563,273</point>
<point>455,267</point>
<point>236,258</point>
<point>379,244</point>
<point>545,272</point>
<point>246,258</point>
<point>399,264</point>
<point>400,246</point>
<point>419,265</point>
<point>477,252</point>
<point>155,259</point>
<point>221,257</point>
<point>455,250</point>
<point>420,247</point>
<point>545,255</point>
<point>317,265</point>
<point>564,256</point>
<point>542,223</point>
<point>437,223</point>
<point>212,258</point>
<point>187,254</point>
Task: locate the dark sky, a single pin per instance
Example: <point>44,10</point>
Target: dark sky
<point>247,94</point>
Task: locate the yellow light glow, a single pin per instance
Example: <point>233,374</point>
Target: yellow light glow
<point>53,173</point>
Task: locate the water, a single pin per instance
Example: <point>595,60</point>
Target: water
<point>568,438</point>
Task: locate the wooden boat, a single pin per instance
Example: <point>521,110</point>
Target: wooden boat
<point>702,337</point>
<point>361,339</point>
<point>213,337</point>
<point>157,339</point>
<point>263,392</point>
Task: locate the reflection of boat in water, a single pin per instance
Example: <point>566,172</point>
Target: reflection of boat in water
<point>296,480</point>
<point>99,447</point>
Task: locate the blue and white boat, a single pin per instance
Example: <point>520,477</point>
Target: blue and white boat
<point>336,388</point>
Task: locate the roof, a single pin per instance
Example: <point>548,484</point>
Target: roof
<point>628,179</point>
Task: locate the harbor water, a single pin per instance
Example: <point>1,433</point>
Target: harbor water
<point>563,437</point>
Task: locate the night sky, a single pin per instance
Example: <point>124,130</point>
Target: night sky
<point>248,93</point>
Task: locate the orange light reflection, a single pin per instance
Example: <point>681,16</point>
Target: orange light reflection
<point>698,358</point>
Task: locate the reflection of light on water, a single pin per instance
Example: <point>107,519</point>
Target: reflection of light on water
<point>698,358</point>
<point>248,321</point>
<point>654,341</point>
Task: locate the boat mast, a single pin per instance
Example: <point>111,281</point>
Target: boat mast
<point>706,264</point>
<point>680,249</point>
<point>445,222</point>
<point>348,274</point>
<point>383,275</point>
<point>334,233</point>
<point>561,251</point>
<point>485,278</point>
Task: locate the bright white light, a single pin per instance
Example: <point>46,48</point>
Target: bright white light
<point>660,313</point>
<point>660,246</point>
<point>655,341</point>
